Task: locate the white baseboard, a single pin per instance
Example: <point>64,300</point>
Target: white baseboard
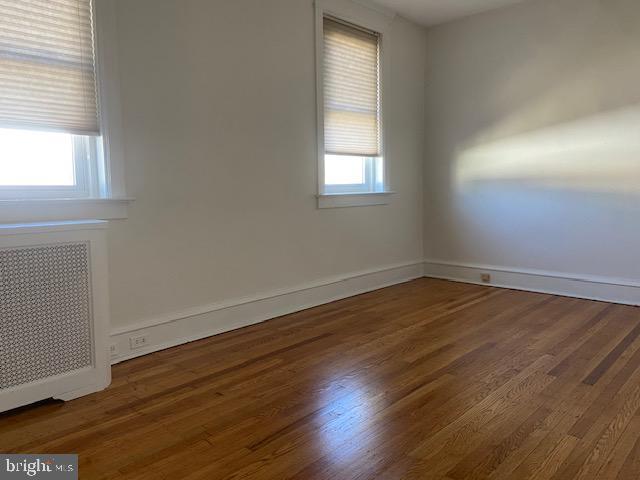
<point>201,322</point>
<point>207,320</point>
<point>616,290</point>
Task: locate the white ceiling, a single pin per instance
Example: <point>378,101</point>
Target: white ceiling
<point>432,12</point>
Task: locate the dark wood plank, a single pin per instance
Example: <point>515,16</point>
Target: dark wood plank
<point>612,356</point>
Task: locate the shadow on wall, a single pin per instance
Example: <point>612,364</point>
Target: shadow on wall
<point>546,69</point>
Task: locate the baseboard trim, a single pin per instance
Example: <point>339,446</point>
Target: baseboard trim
<point>607,289</point>
<point>204,321</point>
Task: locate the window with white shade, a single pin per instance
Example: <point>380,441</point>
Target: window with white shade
<point>351,156</point>
<point>50,145</point>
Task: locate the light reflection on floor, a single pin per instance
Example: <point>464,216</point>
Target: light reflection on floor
<point>359,422</point>
<point>345,419</point>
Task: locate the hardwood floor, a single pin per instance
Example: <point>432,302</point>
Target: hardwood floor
<point>425,380</point>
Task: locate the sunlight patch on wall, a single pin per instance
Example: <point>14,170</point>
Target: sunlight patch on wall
<point>597,154</point>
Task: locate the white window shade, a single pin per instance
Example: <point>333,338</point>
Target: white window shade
<point>47,71</point>
<point>351,90</point>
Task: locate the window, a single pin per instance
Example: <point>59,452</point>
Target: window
<point>39,164</point>
<point>351,156</point>
<point>50,144</point>
<point>352,174</point>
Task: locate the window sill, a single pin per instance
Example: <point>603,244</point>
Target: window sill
<point>38,210</point>
<point>343,200</point>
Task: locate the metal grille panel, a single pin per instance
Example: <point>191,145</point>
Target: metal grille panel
<point>45,312</point>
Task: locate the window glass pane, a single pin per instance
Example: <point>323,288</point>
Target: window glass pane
<point>33,158</point>
<point>379,174</point>
<point>342,170</point>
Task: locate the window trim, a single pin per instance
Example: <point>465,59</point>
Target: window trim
<point>109,104</point>
<point>107,199</point>
<point>38,210</point>
<point>342,200</point>
<point>375,19</point>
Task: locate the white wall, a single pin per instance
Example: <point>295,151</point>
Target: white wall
<point>533,139</point>
<point>219,123</point>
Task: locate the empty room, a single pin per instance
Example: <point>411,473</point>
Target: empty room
<point>320,239</point>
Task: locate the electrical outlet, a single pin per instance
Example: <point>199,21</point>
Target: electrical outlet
<point>485,277</point>
<point>138,342</point>
<point>113,350</point>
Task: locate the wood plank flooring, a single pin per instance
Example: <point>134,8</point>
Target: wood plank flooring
<point>424,380</point>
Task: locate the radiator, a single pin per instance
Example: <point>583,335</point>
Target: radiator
<point>53,312</point>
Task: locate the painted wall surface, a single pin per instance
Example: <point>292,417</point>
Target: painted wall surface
<point>219,126</point>
<point>533,138</point>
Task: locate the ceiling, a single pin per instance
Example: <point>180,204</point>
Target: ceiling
<point>433,12</point>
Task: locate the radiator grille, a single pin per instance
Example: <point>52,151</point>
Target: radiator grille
<point>45,312</point>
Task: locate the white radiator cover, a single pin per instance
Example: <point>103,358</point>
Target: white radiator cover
<point>54,318</point>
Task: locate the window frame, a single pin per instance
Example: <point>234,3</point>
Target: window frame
<point>376,19</point>
<point>100,192</point>
<point>110,143</point>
